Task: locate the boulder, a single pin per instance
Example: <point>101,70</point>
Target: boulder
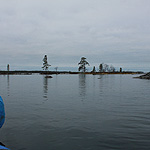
<point>48,77</point>
<point>145,76</point>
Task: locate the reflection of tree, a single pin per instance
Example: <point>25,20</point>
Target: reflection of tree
<point>45,87</point>
<point>82,85</point>
<point>101,86</point>
<point>8,85</point>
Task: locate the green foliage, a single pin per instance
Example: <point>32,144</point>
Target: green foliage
<point>94,70</point>
<point>112,68</point>
<point>82,64</point>
<point>106,68</point>
<point>45,63</point>
<point>101,67</point>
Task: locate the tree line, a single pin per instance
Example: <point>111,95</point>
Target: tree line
<point>82,66</point>
<point>102,67</point>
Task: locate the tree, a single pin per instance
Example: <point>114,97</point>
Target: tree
<point>8,67</point>
<point>82,64</point>
<point>112,68</point>
<point>120,69</point>
<point>45,63</point>
<point>56,68</point>
<point>101,67</point>
<point>94,70</point>
<point>106,68</point>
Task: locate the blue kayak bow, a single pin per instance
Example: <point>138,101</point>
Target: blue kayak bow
<point>2,119</point>
<point>2,147</point>
<point>2,112</point>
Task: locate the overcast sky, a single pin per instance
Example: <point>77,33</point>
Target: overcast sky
<point>115,32</point>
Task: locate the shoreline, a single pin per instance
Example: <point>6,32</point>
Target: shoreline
<point>64,72</point>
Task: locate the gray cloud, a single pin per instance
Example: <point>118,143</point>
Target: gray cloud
<point>112,31</point>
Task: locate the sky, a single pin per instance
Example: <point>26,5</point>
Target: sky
<point>115,32</point>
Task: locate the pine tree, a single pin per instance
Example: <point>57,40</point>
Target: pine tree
<point>82,64</point>
<point>45,63</point>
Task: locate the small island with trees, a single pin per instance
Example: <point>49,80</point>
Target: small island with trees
<point>82,69</point>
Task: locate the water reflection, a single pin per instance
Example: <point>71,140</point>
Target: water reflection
<point>105,122</point>
<point>82,85</point>
<point>120,86</point>
<point>101,85</point>
<point>8,85</point>
<point>45,88</point>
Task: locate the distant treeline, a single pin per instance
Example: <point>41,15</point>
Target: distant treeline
<point>63,72</point>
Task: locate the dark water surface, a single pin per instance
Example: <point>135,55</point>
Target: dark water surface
<point>76,112</point>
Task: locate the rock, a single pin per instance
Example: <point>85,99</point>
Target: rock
<point>145,76</point>
<point>48,77</point>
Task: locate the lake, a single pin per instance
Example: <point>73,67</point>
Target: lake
<point>75,112</point>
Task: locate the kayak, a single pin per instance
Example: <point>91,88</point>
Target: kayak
<point>2,112</point>
<point>2,119</point>
<point>2,147</point>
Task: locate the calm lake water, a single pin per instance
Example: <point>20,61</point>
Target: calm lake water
<point>76,112</point>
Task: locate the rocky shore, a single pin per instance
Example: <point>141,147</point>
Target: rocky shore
<point>62,72</point>
<point>145,76</point>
